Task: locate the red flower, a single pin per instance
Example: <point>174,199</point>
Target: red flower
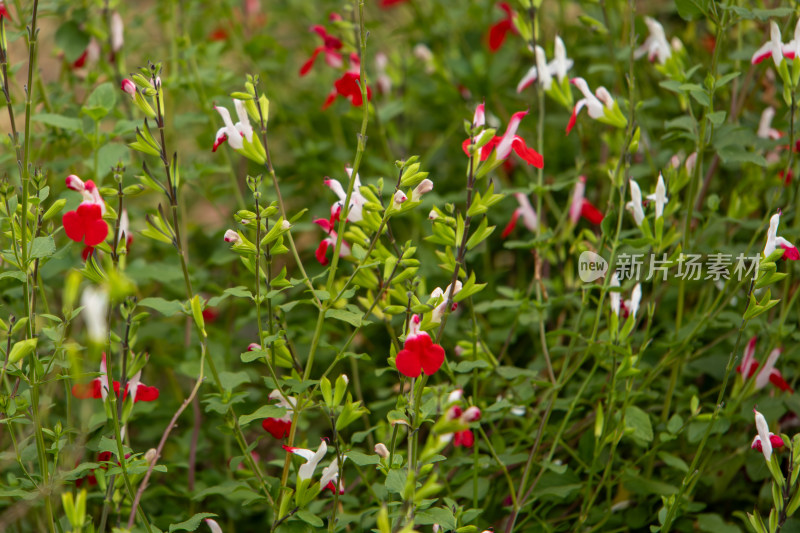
<point>590,212</point>
<point>98,387</point>
<point>86,223</point>
<point>4,11</point>
<point>330,47</point>
<point>419,353</point>
<point>349,87</point>
<point>219,34</point>
<point>277,427</point>
<point>499,31</point>
<point>390,3</point>
<point>508,142</point>
<point>464,438</point>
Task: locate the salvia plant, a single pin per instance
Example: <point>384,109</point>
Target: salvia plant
<point>399,266</point>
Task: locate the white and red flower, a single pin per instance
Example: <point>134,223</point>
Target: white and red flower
<point>349,86</point>
<point>581,207</point>
<point>438,311</point>
<point>419,353</point>
<point>509,141</point>
<point>306,471</point>
<point>635,205</point>
<point>655,46</point>
<point>357,200</point>
<point>544,71</point>
<point>765,441</point>
<point>278,427</point>
<point>99,387</point>
<point>526,211</point>
<point>773,48</point>
<point>233,133</point>
<point>768,373</point>
<point>330,241</point>
<point>774,242</point>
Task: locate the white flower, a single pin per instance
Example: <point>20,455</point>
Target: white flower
<point>774,241</point>
<point>614,297</point>
<point>233,132</point>
<point>95,311</point>
<point>763,435</point>
<point>636,298</point>
<point>212,524</point>
<point>765,129</point>
<point>659,197</point>
<point>117,27</point>
<point>635,205</point>
<point>306,471</point>
<point>656,45</point>
<point>438,311</point>
<point>773,47</point>
<point>424,187</point>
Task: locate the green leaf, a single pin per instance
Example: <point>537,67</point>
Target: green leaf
<point>192,524</point>
<point>396,481</point>
<point>13,274</point>
<point>42,247</point>
<point>689,9</point>
<point>59,121</point>
<point>354,319</point>
<point>436,515</point>
<point>101,101</point>
<point>165,307</point>
<point>309,518</point>
<point>639,421</point>
<point>265,411</point>
<point>363,459</point>
<point>231,380</point>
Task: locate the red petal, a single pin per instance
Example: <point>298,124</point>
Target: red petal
<point>72,226</point>
<point>590,212</point>
<point>776,379</point>
<point>531,156</point>
<point>146,394</point>
<point>310,63</point>
<point>572,119</point>
<point>791,253</point>
<point>497,34</point>
<point>762,57</point>
<point>776,441</point>
<point>277,428</point>
<point>96,232</point>
<point>320,254</point>
<point>329,100</point>
<point>84,391</point>
<point>432,359</point>
<point>408,363</point>
<point>464,438</point>
<point>511,224</point>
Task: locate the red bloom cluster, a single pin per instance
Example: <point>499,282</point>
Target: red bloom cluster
<point>348,86</point>
<point>419,353</point>
<point>86,223</point>
<point>330,47</point>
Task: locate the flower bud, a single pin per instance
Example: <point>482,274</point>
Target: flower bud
<point>382,450</point>
<point>425,186</point>
<point>285,225</point>
<point>151,455</point>
<point>472,414</point>
<point>129,87</point>
<point>399,198</point>
<point>75,183</point>
<point>433,215</point>
<point>231,237</point>
<point>253,347</point>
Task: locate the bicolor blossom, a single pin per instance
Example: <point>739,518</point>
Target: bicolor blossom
<point>278,427</point>
<point>765,441</point>
<point>768,373</point>
<point>99,387</point>
<point>438,311</point>
<point>509,141</point>
<point>774,241</point>
<point>349,86</point>
<point>600,105</point>
<point>526,211</point>
<point>464,437</point>
<point>765,129</point>
<point>773,48</point>
<point>581,207</point>
<point>382,80</point>
<point>330,240</point>
<point>544,71</point>
<point>306,471</point>
<point>499,30</point>
<point>330,476</point>
<point>231,236</point>
<point>419,353</point>
<point>86,223</point>
<point>357,200</point>
<point>330,47</point>
<point>635,205</point>
<point>233,133</point>
<point>655,46</point>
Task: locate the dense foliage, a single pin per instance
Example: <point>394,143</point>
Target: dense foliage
<point>399,265</point>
